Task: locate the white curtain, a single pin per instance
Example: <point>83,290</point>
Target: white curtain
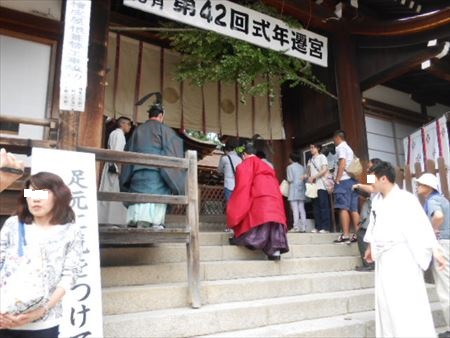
<point>137,68</point>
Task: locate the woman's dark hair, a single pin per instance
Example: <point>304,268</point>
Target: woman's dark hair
<point>294,157</point>
<point>249,148</point>
<point>62,212</point>
<point>261,154</point>
<point>317,146</point>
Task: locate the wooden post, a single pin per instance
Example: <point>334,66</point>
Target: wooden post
<point>351,114</point>
<point>91,120</point>
<point>193,247</point>
<point>399,177</point>
<point>442,170</point>
<point>418,173</point>
<point>408,179</point>
<point>430,167</point>
<point>68,130</point>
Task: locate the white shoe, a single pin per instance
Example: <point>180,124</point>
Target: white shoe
<point>157,227</point>
<point>314,231</point>
<point>324,231</point>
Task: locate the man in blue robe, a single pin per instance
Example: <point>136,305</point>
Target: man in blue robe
<point>152,137</point>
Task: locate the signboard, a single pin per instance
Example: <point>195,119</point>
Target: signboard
<point>75,55</point>
<point>82,306</point>
<point>239,22</point>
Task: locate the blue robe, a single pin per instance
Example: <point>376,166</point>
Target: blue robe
<point>152,137</point>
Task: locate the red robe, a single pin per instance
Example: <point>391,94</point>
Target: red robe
<point>256,198</point>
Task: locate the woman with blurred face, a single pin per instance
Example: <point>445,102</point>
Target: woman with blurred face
<point>43,231</point>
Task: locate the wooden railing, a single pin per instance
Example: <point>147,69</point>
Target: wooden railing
<point>405,177</point>
<point>189,234</point>
<point>24,145</point>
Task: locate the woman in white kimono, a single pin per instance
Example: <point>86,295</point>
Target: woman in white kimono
<point>113,212</point>
<point>295,174</point>
<point>402,243</point>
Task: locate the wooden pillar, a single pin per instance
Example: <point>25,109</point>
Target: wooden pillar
<point>91,120</point>
<point>351,114</point>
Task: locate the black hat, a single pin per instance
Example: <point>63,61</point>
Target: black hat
<point>157,107</point>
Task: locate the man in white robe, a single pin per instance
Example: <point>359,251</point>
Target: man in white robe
<point>113,212</point>
<point>402,243</point>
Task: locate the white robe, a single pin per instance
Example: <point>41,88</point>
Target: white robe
<point>112,212</point>
<point>401,239</point>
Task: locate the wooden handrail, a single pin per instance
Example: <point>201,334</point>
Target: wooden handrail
<point>136,158</point>
<point>140,198</point>
<point>51,123</point>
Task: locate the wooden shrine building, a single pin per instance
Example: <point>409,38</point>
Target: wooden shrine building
<point>375,52</point>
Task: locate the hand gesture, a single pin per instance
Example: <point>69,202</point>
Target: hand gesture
<point>368,255</point>
<point>9,321</point>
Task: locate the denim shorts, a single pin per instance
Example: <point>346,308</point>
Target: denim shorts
<point>345,197</point>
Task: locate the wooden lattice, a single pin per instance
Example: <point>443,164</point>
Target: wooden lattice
<point>212,202</point>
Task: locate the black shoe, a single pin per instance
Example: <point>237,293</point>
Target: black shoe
<point>445,334</point>
<point>232,241</point>
<point>354,238</point>
<point>274,258</point>
<point>132,225</point>
<point>365,268</point>
<point>342,239</point>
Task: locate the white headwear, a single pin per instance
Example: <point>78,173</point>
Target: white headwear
<point>429,180</point>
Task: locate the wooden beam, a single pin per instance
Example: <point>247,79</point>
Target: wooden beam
<point>91,120</point>
<point>307,12</point>
<point>31,25</point>
<point>416,24</point>
<point>140,198</point>
<point>51,123</point>
<point>379,66</point>
<point>439,70</point>
<point>23,146</point>
<point>136,158</point>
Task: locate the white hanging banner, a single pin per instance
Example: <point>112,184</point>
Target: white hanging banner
<point>75,55</point>
<point>82,305</point>
<point>239,22</point>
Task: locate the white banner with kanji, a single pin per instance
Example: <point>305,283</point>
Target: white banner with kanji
<point>75,55</point>
<point>82,306</point>
<point>239,22</point>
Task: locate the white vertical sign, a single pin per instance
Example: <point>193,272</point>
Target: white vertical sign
<point>239,22</point>
<point>75,55</point>
<point>82,306</point>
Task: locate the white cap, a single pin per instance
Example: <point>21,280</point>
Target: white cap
<point>429,180</point>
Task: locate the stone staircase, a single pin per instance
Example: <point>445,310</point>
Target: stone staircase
<point>312,292</point>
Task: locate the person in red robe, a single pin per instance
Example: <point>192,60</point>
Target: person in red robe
<point>255,211</point>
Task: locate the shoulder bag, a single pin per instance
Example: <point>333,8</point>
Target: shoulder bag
<point>22,276</point>
<point>355,168</point>
<point>327,181</point>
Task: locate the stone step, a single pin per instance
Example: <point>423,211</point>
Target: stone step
<point>361,324</point>
<point>211,319</point>
<point>217,318</point>
<point>129,299</point>
<point>173,253</point>
<point>223,270</point>
<point>220,238</point>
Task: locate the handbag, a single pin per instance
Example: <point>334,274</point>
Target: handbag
<point>355,168</point>
<point>311,190</point>
<point>22,278</point>
<point>284,188</point>
<point>328,182</point>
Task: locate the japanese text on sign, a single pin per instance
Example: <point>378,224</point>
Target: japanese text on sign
<point>82,305</point>
<point>74,55</point>
<point>242,23</point>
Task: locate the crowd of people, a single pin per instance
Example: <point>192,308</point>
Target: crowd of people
<point>397,237</point>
